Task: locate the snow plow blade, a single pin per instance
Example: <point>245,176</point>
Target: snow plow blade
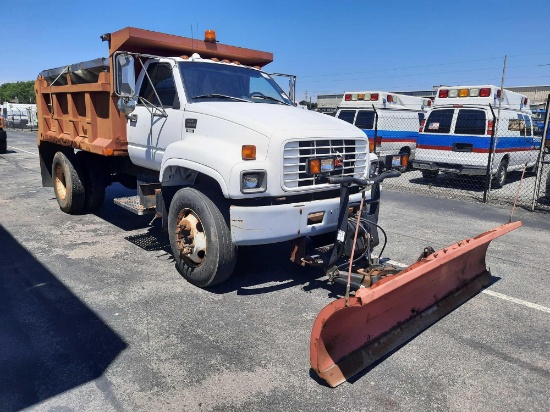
<point>348,339</point>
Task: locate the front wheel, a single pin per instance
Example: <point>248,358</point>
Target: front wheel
<point>200,237</point>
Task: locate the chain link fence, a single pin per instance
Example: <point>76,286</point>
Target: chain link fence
<point>473,153</point>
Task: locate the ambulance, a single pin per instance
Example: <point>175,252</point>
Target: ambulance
<point>462,130</point>
<point>389,120</point>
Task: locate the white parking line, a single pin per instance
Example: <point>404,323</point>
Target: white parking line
<point>21,150</point>
<point>495,294</point>
<point>515,300</point>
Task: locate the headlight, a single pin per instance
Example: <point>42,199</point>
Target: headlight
<point>253,181</point>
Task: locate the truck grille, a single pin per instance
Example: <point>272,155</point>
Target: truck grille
<point>353,151</point>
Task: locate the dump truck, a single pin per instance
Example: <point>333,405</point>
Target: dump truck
<point>221,154</point>
<point>208,139</point>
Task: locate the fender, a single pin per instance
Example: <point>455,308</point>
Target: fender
<point>165,171</point>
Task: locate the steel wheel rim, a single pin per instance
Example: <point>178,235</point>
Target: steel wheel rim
<point>190,238</point>
<point>60,183</point>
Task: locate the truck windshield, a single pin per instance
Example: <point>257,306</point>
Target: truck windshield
<point>223,82</point>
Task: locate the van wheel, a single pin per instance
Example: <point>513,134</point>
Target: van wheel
<point>3,141</point>
<point>94,182</point>
<point>200,237</point>
<point>430,175</point>
<point>500,175</point>
<point>68,187</point>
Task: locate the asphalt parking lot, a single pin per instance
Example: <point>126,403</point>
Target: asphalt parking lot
<point>93,315</point>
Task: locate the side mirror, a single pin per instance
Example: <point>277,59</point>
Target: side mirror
<point>125,76</point>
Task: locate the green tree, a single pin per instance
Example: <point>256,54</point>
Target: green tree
<point>22,92</point>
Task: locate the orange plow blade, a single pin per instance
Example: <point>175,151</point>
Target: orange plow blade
<point>347,339</point>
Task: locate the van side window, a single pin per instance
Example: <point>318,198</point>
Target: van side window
<point>420,117</point>
<point>470,122</point>
<point>518,124</point>
<point>347,115</point>
<point>365,119</point>
<point>439,121</point>
<point>163,80</point>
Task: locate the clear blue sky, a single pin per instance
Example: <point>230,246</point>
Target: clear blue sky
<point>332,46</point>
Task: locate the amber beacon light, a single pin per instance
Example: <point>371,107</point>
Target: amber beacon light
<point>210,36</point>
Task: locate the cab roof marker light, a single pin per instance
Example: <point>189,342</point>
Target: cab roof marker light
<point>374,97</point>
<point>485,92</point>
<point>463,93</point>
<point>443,93</point>
<point>390,98</point>
<point>354,97</point>
<point>361,96</point>
<point>453,93</point>
<point>347,97</point>
<point>474,92</point>
<point>367,96</point>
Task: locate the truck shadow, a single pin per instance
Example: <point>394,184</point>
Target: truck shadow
<point>51,341</point>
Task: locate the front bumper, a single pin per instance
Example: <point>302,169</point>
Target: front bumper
<point>277,223</point>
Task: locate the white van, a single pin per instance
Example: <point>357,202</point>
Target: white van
<point>460,132</point>
<point>389,120</point>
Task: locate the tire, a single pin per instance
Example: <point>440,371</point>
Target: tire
<point>500,175</point>
<point>68,187</point>
<point>3,141</point>
<point>430,175</point>
<point>93,180</point>
<point>199,214</point>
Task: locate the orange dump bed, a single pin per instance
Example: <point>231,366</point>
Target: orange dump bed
<point>76,104</point>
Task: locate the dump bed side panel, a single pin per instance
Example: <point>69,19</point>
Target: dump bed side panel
<point>80,112</point>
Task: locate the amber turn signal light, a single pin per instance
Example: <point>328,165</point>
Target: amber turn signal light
<point>371,145</point>
<point>248,152</point>
<point>314,166</point>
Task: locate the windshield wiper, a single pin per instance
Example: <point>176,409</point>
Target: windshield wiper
<point>269,98</point>
<point>219,96</point>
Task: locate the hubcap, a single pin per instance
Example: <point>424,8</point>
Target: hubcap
<point>60,185</point>
<point>190,238</point>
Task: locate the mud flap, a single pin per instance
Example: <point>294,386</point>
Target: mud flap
<point>347,339</point>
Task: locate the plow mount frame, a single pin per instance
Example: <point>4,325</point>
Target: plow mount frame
<point>349,337</point>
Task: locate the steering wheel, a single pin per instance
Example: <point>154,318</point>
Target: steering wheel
<point>257,94</point>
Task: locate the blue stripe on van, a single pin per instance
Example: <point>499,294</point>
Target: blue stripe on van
<point>477,142</point>
<point>395,134</point>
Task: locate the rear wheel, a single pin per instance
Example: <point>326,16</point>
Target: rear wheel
<point>3,141</point>
<point>430,175</point>
<point>68,187</point>
<point>200,237</point>
<point>500,175</point>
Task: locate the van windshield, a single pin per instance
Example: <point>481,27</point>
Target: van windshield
<point>224,82</point>
<point>439,121</point>
<point>470,122</point>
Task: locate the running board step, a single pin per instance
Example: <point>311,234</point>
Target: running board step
<point>133,204</point>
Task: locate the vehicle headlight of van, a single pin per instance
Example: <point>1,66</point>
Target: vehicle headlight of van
<point>253,181</point>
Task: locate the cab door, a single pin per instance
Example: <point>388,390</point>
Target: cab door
<point>157,120</point>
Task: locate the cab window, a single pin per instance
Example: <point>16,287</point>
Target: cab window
<point>470,122</point>
<point>163,81</point>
